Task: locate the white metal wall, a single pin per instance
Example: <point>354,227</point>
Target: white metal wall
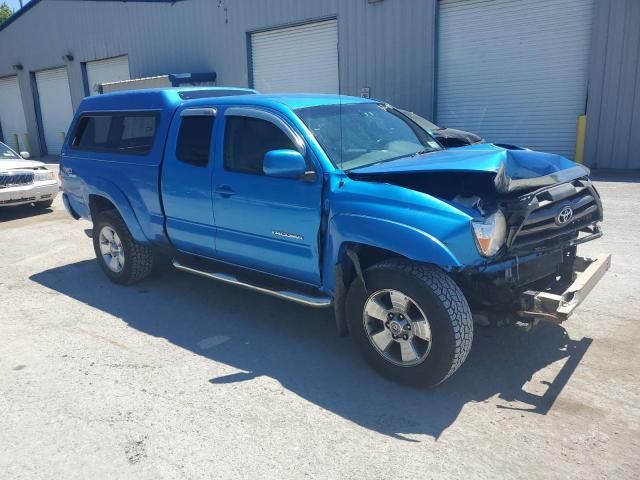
<point>514,71</point>
<point>108,70</point>
<point>12,120</point>
<point>303,58</point>
<point>55,106</point>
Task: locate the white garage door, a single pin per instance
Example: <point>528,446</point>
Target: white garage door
<point>12,121</point>
<point>515,71</point>
<point>109,70</point>
<point>55,106</point>
<point>297,59</point>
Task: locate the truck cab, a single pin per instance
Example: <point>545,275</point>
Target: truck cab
<point>334,201</point>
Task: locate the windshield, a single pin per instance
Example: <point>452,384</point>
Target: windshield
<point>6,153</point>
<point>359,134</point>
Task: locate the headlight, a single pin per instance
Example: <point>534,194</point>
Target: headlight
<point>43,175</point>
<point>490,233</point>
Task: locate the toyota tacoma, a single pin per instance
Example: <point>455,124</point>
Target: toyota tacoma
<point>335,201</point>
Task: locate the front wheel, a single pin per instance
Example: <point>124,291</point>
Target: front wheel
<point>412,323</point>
<point>121,258</point>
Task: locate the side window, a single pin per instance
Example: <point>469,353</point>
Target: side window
<point>138,127</point>
<point>134,133</point>
<point>194,140</point>
<point>116,133</point>
<point>92,132</point>
<point>247,139</point>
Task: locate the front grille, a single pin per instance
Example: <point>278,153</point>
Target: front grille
<point>534,221</point>
<point>17,200</point>
<point>15,178</point>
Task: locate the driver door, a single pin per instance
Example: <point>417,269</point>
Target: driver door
<point>265,223</point>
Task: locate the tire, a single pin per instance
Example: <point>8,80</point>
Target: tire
<point>137,259</point>
<point>44,204</point>
<point>430,293</point>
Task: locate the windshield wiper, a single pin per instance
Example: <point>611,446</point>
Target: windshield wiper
<point>410,155</point>
<point>421,152</point>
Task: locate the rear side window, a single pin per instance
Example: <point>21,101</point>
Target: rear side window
<point>92,132</point>
<point>194,140</point>
<point>126,132</point>
<point>247,139</point>
<point>138,127</point>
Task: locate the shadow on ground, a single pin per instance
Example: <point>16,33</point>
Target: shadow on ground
<point>299,348</point>
<point>22,211</point>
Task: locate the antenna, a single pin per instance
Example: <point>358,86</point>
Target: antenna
<point>341,140</point>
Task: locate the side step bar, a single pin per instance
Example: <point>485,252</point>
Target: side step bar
<point>296,297</point>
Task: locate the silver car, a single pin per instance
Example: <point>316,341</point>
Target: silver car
<point>25,181</point>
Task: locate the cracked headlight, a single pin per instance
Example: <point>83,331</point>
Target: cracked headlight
<point>43,175</point>
<point>490,233</point>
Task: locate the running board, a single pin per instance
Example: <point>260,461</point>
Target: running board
<point>296,297</point>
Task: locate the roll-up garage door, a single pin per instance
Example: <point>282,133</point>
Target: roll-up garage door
<point>303,58</point>
<point>108,70</point>
<point>514,71</point>
<point>55,106</point>
<point>12,121</point>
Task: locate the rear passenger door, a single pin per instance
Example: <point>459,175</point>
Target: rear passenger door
<point>187,181</point>
<point>265,223</point>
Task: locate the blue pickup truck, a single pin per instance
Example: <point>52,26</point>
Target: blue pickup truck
<point>335,201</point>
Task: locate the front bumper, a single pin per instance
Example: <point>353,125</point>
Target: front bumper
<point>559,301</point>
<point>35,192</point>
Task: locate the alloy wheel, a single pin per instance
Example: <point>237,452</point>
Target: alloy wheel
<point>397,327</point>
<point>111,249</point>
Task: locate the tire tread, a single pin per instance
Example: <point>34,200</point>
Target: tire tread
<point>451,297</point>
<point>139,256</point>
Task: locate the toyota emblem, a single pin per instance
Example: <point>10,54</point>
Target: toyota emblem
<point>564,215</point>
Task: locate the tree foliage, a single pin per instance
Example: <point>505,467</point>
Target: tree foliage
<point>5,12</point>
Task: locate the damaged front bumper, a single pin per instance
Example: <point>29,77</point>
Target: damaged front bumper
<point>557,302</point>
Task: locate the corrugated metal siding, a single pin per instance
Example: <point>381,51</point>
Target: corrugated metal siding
<point>387,46</point>
<point>515,71</point>
<point>613,110</point>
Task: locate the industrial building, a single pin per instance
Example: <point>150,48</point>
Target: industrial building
<point>523,72</point>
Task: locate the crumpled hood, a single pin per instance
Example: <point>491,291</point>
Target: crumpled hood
<point>19,163</point>
<point>453,133</point>
<point>514,169</point>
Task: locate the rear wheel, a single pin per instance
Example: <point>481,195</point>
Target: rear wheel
<point>120,257</point>
<point>412,323</point>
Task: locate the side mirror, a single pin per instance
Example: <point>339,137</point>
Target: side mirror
<point>25,155</point>
<point>284,164</point>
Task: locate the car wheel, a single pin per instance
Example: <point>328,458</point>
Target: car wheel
<point>121,258</point>
<point>412,323</point>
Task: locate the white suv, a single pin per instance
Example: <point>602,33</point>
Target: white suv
<point>25,181</point>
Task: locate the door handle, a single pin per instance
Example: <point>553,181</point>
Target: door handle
<point>225,191</point>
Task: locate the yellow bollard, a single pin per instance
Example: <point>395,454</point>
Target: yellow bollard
<point>62,135</point>
<point>16,142</point>
<point>581,129</point>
